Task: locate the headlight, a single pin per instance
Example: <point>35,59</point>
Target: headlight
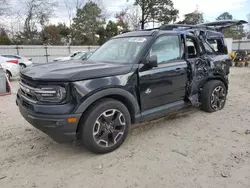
<point>52,94</point>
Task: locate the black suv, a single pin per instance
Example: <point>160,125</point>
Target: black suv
<point>134,77</point>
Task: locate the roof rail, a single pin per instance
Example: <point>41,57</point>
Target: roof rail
<point>184,27</point>
<point>175,26</point>
<point>151,29</point>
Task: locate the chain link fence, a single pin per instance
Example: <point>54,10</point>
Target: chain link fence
<point>43,54</point>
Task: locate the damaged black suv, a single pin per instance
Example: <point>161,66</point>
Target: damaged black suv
<point>134,77</point>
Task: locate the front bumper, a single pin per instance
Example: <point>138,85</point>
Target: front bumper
<point>56,126</point>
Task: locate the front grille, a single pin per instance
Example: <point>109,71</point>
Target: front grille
<point>28,82</point>
<point>26,90</point>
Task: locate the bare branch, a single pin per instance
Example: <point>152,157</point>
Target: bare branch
<point>3,7</point>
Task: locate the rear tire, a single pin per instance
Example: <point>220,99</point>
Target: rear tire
<point>213,96</point>
<point>104,127</point>
<point>8,74</point>
<point>22,66</point>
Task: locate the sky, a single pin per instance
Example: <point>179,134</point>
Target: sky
<point>211,8</point>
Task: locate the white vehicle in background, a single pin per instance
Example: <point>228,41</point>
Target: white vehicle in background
<point>22,61</point>
<point>10,66</point>
<point>67,57</point>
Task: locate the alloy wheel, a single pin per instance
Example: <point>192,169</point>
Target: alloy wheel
<point>109,128</point>
<point>218,98</point>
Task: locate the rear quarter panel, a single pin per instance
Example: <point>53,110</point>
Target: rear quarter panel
<point>14,69</point>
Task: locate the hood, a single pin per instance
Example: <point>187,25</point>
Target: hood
<point>74,70</point>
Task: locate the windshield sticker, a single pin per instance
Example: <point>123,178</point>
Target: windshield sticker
<point>137,39</point>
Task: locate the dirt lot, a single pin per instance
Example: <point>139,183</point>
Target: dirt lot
<point>195,150</point>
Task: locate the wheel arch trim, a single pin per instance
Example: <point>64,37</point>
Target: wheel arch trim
<point>109,93</point>
<point>217,77</point>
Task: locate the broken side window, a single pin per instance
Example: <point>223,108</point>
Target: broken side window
<point>217,45</point>
<point>192,47</point>
<point>209,49</point>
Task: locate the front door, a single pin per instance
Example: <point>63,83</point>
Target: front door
<point>166,83</point>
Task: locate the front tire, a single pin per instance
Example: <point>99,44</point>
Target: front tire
<point>213,96</point>
<point>104,127</point>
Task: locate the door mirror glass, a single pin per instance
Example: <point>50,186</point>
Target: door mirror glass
<point>152,61</point>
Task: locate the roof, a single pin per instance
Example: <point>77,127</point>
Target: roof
<point>142,33</point>
<point>136,34</point>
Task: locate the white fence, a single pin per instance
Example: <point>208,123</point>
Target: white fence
<point>241,45</point>
<point>43,54</point>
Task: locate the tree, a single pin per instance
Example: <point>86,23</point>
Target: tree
<point>3,7</point>
<point>164,12</point>
<point>157,10</point>
<point>128,19</point>
<point>37,13</point>
<point>72,6</point>
<point>65,33</point>
<point>51,35</point>
<point>235,32</point>
<point>225,16</point>
<point>102,35</point>
<point>4,38</point>
<point>122,21</point>
<point>111,29</point>
<point>133,18</point>
<point>86,24</point>
<point>193,18</point>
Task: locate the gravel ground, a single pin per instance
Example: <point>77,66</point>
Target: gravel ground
<point>196,149</point>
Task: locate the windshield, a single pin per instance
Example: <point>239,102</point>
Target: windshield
<point>121,50</point>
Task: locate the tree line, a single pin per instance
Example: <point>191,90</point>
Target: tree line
<point>89,23</point>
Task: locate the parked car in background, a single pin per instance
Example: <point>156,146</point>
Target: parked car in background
<point>10,66</point>
<point>22,61</point>
<point>67,57</point>
<point>82,56</point>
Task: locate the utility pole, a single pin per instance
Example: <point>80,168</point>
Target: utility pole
<point>143,14</point>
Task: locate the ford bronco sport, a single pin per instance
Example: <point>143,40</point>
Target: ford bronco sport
<point>134,77</point>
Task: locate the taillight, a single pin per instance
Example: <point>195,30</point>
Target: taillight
<point>13,61</point>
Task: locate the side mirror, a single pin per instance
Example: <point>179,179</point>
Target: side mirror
<point>152,61</point>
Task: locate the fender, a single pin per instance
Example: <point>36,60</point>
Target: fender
<point>109,92</point>
<point>221,78</point>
